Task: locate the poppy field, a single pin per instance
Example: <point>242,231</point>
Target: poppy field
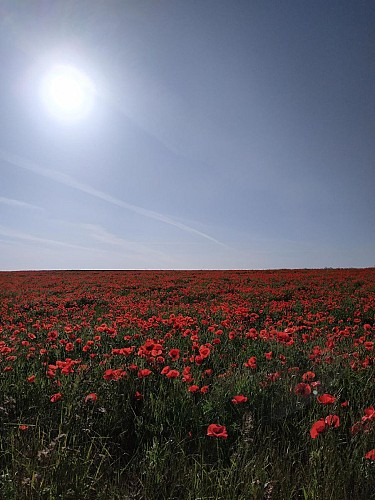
<point>187,384</point>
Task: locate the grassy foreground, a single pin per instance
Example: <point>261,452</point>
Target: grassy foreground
<point>187,385</point>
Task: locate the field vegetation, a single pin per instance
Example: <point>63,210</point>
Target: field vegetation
<point>187,385</point>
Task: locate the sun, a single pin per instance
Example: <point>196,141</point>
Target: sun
<point>67,93</point>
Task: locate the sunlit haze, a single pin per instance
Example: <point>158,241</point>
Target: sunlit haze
<point>67,92</point>
<point>187,135</point>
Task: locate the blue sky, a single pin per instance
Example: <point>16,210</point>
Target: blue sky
<point>222,134</point>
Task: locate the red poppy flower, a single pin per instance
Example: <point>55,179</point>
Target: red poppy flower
<point>173,374</point>
<point>323,424</point>
<point>111,374</point>
<point>56,397</point>
<point>369,345</point>
<point>186,370</point>
<point>53,335</point>
<point>204,351</point>
<point>144,373</point>
<point>317,383</point>
<point>282,358</point>
<point>273,376</point>
<point>239,399</point>
<point>370,455</point>
<point>91,397</point>
<point>369,414</point>
<point>204,389</point>
<point>332,421</point>
<point>251,362</point>
<point>197,359</point>
<point>308,376</point>
<point>302,389</point>
<point>193,388</point>
<point>217,430</point>
<point>283,336</point>
<point>23,427</point>
<point>326,399</point>
<point>317,428</point>
<point>31,379</point>
<point>174,354</point>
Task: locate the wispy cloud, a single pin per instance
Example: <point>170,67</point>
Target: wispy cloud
<point>92,233</point>
<point>70,181</point>
<point>18,203</point>
<point>127,251</point>
<point>20,235</point>
<point>102,235</point>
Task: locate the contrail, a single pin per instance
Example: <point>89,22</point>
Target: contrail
<point>17,203</point>
<point>68,180</point>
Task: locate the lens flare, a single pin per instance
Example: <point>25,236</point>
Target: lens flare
<point>67,92</point>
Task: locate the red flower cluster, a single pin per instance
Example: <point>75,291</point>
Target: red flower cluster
<point>323,424</point>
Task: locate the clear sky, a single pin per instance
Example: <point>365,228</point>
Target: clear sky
<point>219,134</point>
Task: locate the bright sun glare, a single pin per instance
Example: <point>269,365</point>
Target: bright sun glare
<point>67,93</point>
